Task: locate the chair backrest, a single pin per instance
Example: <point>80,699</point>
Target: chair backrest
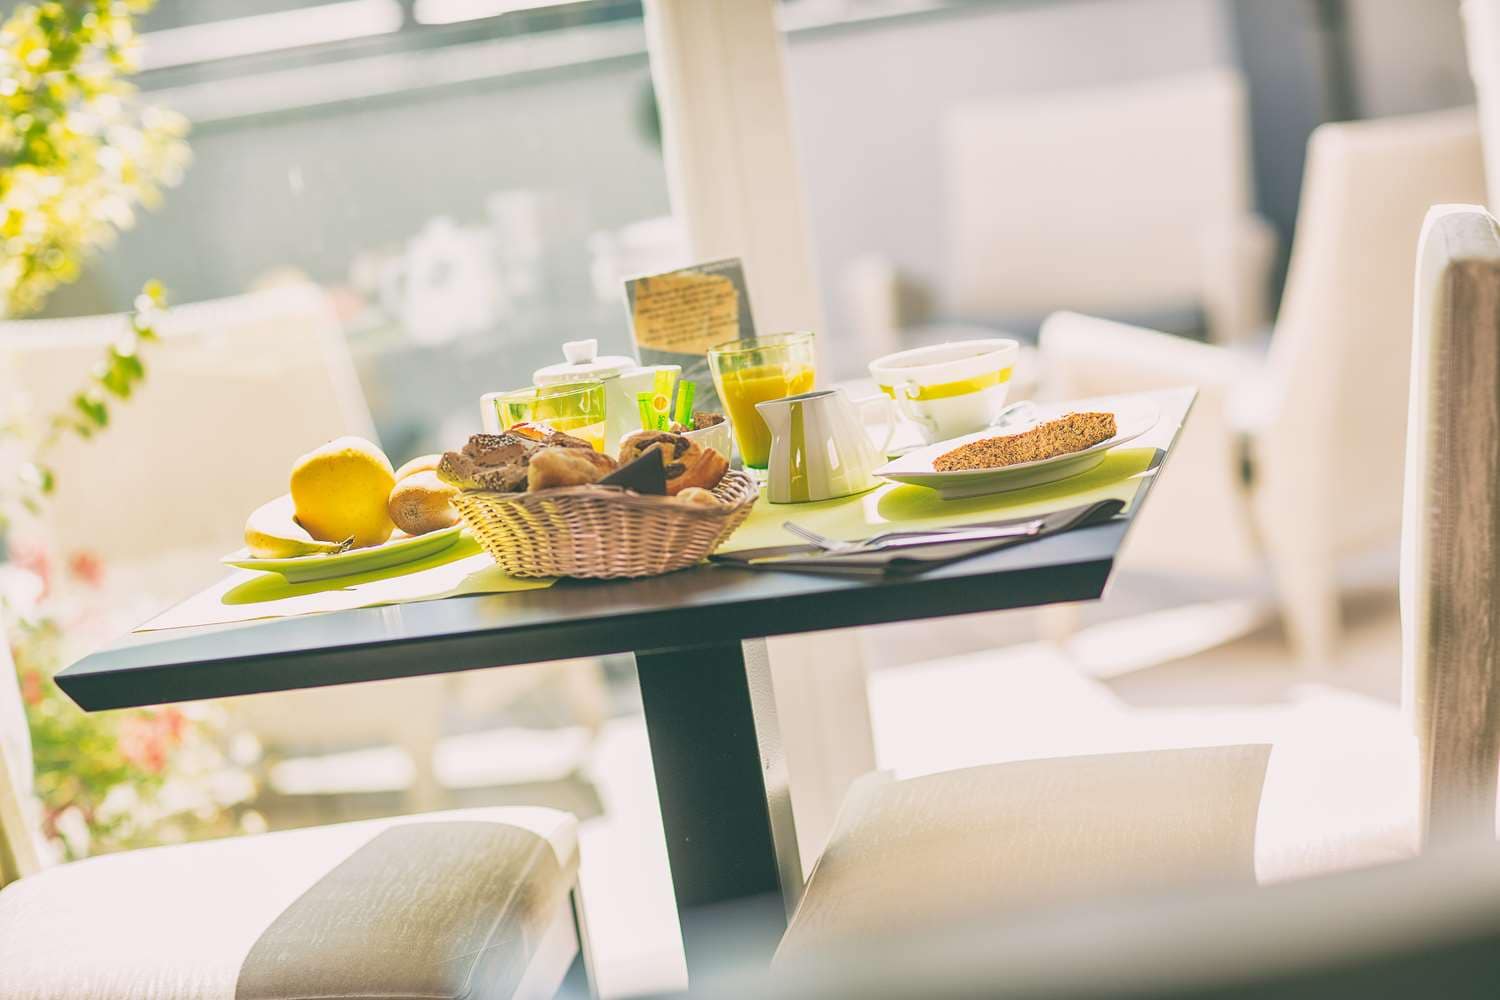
<point>1425,927</point>
<point>1482,39</point>
<point>18,853</point>
<point>236,389</point>
<point>1096,201</point>
<point>1342,343</point>
<point>1450,567</point>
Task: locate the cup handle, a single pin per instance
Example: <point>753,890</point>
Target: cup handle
<point>888,406</point>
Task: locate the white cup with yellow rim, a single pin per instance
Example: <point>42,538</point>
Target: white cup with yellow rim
<point>949,390</point>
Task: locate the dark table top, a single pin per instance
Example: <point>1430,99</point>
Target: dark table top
<point>701,606</point>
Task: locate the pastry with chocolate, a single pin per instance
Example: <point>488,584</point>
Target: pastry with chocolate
<point>687,463</point>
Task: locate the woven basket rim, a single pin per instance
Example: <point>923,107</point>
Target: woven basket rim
<point>619,495</point>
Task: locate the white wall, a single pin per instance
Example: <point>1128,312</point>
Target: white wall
<point>1408,56</point>
<point>869,104</point>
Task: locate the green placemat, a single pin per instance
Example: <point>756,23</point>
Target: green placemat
<point>246,595</point>
<point>897,505</point>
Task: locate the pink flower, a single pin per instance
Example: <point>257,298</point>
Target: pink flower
<point>32,688</point>
<point>88,567</point>
<point>143,743</point>
<point>173,724</point>
<point>32,556</point>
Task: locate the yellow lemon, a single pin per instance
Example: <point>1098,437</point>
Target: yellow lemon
<point>340,491</point>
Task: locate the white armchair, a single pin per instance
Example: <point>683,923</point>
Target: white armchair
<point>1340,793</point>
<point>1295,455</point>
<point>1127,200</point>
<point>475,902</point>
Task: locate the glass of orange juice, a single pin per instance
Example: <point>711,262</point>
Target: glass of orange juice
<point>575,408</point>
<point>752,371</point>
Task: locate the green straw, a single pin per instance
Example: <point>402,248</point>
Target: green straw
<point>648,415</point>
<point>685,392</point>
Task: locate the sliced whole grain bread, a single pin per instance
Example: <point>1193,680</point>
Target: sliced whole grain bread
<point>1063,436</point>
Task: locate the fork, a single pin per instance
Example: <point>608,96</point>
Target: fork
<point>976,532</point>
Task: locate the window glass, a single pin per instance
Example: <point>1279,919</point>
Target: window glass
<point>466,179</point>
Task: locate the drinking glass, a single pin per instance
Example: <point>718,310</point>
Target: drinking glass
<point>752,371</point>
<point>575,408</point>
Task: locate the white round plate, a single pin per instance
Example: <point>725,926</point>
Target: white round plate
<point>915,467</point>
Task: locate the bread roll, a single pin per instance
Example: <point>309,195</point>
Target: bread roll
<point>554,467</point>
<point>422,502</point>
<point>422,463</point>
<point>699,497</point>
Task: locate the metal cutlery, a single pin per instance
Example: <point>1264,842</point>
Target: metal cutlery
<point>929,536</point>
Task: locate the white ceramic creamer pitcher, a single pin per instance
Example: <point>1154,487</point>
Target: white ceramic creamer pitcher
<point>819,448</point>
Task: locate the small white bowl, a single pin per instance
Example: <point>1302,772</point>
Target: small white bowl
<point>718,437</point>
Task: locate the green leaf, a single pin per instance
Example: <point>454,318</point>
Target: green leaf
<point>38,477</point>
<point>93,410</point>
<point>115,379</point>
<point>128,361</point>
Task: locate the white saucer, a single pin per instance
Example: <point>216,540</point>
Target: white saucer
<point>915,467</point>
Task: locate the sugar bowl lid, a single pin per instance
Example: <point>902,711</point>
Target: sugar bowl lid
<point>583,362</point>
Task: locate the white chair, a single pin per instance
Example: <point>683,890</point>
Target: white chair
<point>1482,39</point>
<point>1023,834</point>
<point>474,903</point>
<point>235,389</point>
<point>1320,416</point>
<point>1129,201</point>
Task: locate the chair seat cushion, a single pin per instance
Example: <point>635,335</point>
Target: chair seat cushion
<point>1338,792</point>
<point>1029,833</point>
<point>1341,792</point>
<point>438,905</point>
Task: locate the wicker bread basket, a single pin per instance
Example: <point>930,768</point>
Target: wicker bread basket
<point>602,532</point>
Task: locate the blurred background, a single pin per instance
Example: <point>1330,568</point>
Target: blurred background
<point>471,180</point>
<point>398,205</point>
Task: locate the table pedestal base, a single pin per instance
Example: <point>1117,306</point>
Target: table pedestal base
<point>726,808</point>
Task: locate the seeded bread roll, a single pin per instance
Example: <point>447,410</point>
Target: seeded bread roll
<point>422,502</point>
<point>498,461</point>
<point>1062,436</point>
<point>488,462</point>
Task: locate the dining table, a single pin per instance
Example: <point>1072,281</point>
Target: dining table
<point>699,641</point>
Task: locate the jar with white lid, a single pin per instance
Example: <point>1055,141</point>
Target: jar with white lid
<point>623,379</point>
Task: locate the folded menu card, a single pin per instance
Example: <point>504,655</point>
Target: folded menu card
<point>676,317</point>
<point>908,561</point>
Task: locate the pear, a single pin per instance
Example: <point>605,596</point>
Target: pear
<point>272,532</point>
